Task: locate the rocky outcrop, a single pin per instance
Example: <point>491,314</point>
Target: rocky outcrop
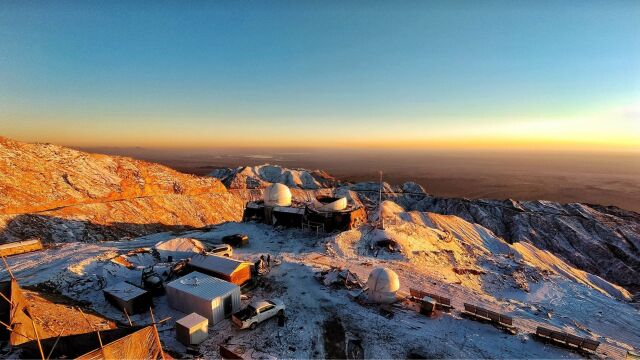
<point>257,177</point>
<point>60,194</point>
<point>601,240</point>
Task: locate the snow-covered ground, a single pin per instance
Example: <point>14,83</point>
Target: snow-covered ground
<point>440,254</point>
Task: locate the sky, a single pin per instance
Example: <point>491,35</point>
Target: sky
<point>409,74</point>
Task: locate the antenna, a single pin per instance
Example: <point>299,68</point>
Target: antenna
<point>380,221</point>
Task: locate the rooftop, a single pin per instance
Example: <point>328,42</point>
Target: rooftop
<point>203,286</point>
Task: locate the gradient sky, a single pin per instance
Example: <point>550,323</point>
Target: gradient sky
<point>539,74</point>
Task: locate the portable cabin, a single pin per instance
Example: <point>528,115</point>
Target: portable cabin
<point>131,298</point>
<point>205,295</point>
<point>192,329</point>
<point>231,270</point>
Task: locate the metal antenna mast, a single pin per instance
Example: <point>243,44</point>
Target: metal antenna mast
<point>380,202</point>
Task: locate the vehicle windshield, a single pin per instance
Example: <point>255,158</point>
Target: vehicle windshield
<point>251,310</point>
<point>271,302</point>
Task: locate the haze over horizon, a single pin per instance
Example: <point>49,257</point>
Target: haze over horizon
<point>415,75</point>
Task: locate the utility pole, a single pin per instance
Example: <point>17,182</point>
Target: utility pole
<point>380,220</point>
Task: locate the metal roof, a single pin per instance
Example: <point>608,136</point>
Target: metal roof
<point>125,291</point>
<point>203,286</point>
<point>192,320</point>
<point>219,264</point>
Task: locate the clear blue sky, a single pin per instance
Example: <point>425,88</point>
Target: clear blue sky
<point>416,73</point>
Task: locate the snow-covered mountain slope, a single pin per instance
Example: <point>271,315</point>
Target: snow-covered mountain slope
<point>60,194</point>
<point>601,240</point>
<point>256,177</point>
<point>604,241</point>
<point>455,247</point>
<point>442,254</point>
<point>447,255</point>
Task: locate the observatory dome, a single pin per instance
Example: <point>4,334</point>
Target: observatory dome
<point>331,203</point>
<point>382,285</point>
<point>277,194</point>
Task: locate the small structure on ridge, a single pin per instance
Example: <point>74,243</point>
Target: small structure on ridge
<point>382,285</point>
<point>323,214</point>
<point>277,195</point>
<point>131,298</point>
<point>192,329</point>
<point>205,295</point>
<point>231,270</point>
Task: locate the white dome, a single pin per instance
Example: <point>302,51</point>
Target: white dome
<point>179,248</point>
<point>336,205</point>
<point>277,195</point>
<point>382,285</point>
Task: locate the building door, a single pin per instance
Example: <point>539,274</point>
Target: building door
<point>228,306</point>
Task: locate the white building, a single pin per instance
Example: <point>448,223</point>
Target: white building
<point>205,295</point>
<point>277,194</point>
<point>382,285</point>
<point>192,329</point>
<point>330,204</point>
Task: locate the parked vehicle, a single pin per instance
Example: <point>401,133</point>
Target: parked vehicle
<point>221,250</point>
<point>236,240</point>
<point>258,312</point>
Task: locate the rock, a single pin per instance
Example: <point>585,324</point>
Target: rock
<point>602,240</point>
<point>59,194</point>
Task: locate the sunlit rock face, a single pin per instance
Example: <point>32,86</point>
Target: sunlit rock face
<point>598,239</point>
<point>60,194</point>
<point>258,177</point>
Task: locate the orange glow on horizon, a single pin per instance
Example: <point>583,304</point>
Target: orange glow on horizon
<point>461,143</point>
<point>613,130</point>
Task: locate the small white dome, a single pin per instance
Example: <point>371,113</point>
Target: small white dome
<point>331,204</point>
<point>277,195</point>
<point>179,248</point>
<point>382,285</point>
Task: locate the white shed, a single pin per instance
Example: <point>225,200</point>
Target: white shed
<point>192,329</point>
<point>205,295</point>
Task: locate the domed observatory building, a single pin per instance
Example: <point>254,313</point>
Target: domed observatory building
<point>275,208</point>
<point>382,286</point>
<point>328,214</point>
<point>277,195</point>
<point>323,214</point>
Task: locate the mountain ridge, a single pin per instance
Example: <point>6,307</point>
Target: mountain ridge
<point>60,194</point>
<point>603,240</point>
